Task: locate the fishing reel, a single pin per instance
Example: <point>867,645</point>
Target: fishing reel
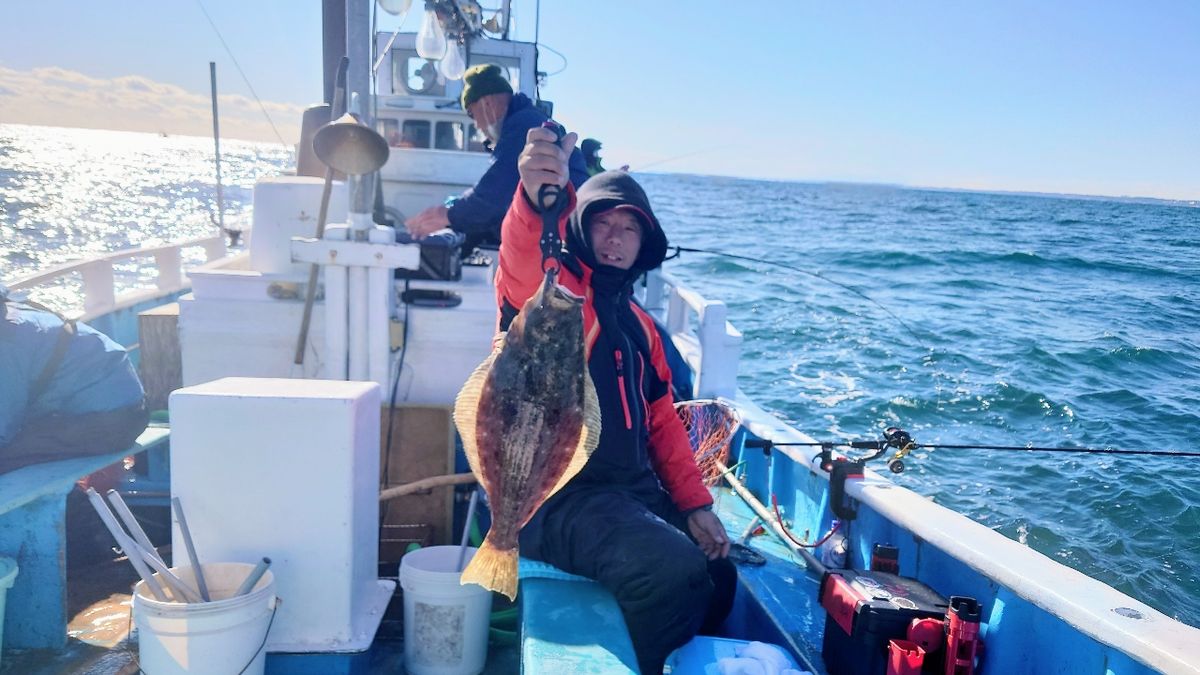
<point>893,438</point>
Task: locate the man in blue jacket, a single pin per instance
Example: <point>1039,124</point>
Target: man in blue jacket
<point>505,118</point>
<point>66,390</point>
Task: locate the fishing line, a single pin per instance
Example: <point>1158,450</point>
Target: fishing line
<point>243,74</point>
<point>675,157</point>
<point>793,268</point>
<point>382,55</point>
<point>1006,448</point>
<point>928,359</point>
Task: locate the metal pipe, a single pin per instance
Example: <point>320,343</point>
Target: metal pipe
<point>183,592</point>
<point>131,523</point>
<point>255,575</point>
<point>191,548</point>
<point>126,545</point>
<point>767,517</point>
<point>379,312</point>
<point>359,43</point>
<point>335,312</point>
<point>357,294</point>
<point>462,547</point>
<point>333,44</point>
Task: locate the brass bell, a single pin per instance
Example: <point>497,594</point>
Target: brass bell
<point>350,147</point>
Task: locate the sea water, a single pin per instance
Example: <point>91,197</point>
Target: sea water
<point>995,319</point>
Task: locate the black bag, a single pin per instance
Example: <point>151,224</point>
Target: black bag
<point>441,255</point>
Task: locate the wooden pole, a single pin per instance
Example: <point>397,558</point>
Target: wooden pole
<point>425,484</point>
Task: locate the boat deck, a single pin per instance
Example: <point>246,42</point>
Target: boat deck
<point>98,602</point>
<point>779,605</point>
<point>782,589</point>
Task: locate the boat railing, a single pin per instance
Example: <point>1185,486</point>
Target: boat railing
<point>99,282</point>
<point>708,342</point>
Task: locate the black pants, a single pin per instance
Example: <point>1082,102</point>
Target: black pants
<point>636,545</point>
<point>55,437</point>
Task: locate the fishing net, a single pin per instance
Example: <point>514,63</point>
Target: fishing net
<point>710,425</point>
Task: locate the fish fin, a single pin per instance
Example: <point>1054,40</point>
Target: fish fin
<point>466,410</point>
<point>591,417</point>
<point>493,568</point>
<point>589,435</point>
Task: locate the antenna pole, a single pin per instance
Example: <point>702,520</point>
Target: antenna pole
<point>212,73</point>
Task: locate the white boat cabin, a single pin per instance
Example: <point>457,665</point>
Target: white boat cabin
<point>436,150</point>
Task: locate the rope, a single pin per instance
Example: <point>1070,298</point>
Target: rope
<point>783,528</point>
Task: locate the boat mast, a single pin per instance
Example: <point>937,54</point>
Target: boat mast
<point>333,42</point>
<point>358,88</point>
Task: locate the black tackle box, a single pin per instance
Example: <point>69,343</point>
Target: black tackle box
<point>441,255</point>
<point>864,611</point>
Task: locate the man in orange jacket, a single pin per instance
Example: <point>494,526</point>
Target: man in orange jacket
<point>638,517</point>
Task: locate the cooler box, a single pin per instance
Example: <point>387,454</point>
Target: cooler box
<point>866,609</point>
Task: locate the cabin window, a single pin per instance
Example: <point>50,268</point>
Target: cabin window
<point>414,134</point>
<point>415,75</point>
<point>475,142</point>
<point>449,136</point>
<point>390,130</point>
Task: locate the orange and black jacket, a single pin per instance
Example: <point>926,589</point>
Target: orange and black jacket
<point>642,438</point>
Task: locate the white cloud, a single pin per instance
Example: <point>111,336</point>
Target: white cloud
<point>59,97</point>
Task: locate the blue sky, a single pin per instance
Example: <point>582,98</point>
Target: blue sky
<point>1081,97</point>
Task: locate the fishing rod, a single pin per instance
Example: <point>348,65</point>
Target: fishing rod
<point>793,268</point>
<point>903,443</point>
<point>672,158</point>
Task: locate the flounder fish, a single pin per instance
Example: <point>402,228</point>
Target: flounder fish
<point>529,420</point>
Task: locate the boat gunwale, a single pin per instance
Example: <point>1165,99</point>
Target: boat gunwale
<point>1082,602</point>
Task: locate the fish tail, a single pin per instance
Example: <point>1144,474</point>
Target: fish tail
<point>493,568</point>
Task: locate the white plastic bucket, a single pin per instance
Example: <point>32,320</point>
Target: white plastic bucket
<point>8,574</point>
<point>445,622</point>
<point>222,637</point>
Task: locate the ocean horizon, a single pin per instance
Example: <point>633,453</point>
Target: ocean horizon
<point>1191,202</point>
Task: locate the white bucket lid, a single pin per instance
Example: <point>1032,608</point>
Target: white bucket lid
<point>8,572</point>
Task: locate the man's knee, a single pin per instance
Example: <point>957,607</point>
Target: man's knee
<point>678,575</point>
<point>724,577</point>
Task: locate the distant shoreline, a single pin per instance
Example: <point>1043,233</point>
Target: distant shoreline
<point>1129,199</point>
<point>1161,201</point>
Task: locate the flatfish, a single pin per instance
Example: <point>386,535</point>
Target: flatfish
<point>529,419</point>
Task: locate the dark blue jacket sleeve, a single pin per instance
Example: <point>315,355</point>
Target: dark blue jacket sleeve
<point>482,208</point>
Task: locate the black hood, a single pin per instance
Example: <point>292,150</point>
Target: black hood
<point>605,191</point>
